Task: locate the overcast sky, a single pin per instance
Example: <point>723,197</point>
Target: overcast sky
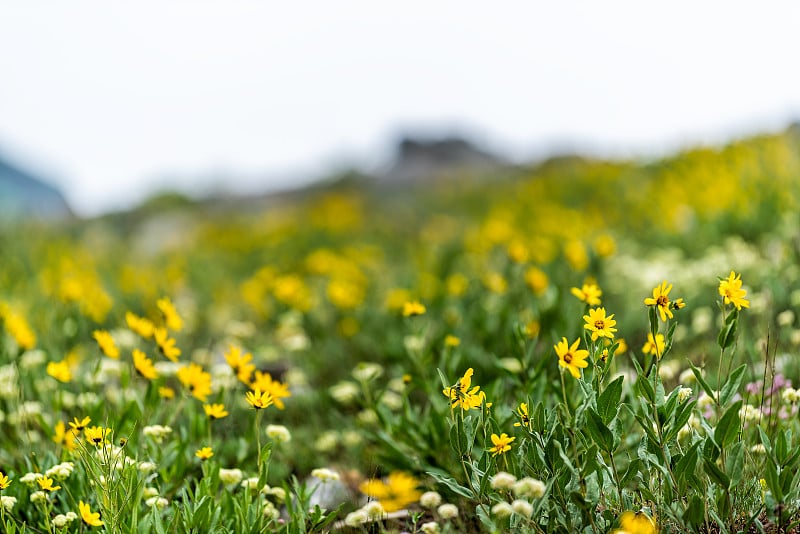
<point>113,101</point>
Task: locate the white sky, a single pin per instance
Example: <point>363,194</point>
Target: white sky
<point>113,101</point>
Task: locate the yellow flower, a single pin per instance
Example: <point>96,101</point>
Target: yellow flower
<point>19,329</point>
<point>654,347</point>
<point>259,399</point>
<point>96,434</point>
<point>399,490</point>
<point>451,341</point>
<point>60,371</point>
<point>106,343</point>
<point>412,308</point>
<point>166,392</point>
<point>240,363</point>
<point>589,293</point>
<point>537,280</point>
<point>636,523</point>
<point>46,483</point>
<point>171,317</point>
<point>140,325</point>
<point>197,381</point>
<point>79,424</point>
<point>215,411</point>
<point>144,365</point>
<point>660,300</point>
<point>90,518</point>
<point>166,344</point>
<point>599,324</point>
<point>524,418</point>
<point>461,394</point>
<point>205,453</point>
<point>277,390</point>
<point>731,291</point>
<point>570,357</point>
<point>502,444</point>
<point>66,438</point>
<point>4,481</point>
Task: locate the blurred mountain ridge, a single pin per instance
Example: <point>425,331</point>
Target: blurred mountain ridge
<point>23,195</point>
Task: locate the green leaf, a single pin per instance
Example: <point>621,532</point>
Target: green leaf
<point>781,448</point>
<point>645,388</point>
<point>702,381</point>
<point>734,463</point>
<point>631,472</point>
<point>451,483</point>
<point>695,514</point>
<point>731,386</point>
<point>716,474</point>
<point>728,425</point>
<point>686,466</point>
<point>608,403</point>
<point>727,335</point>
<point>601,435</point>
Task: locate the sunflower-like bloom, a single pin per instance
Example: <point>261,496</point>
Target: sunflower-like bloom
<point>197,381</point>
<point>524,418</point>
<point>502,444</point>
<point>241,363</point>
<point>461,394</point>
<point>636,523</point>
<point>60,371</point>
<point>259,399</point>
<point>67,438</point>
<point>79,424</point>
<point>106,343</point>
<point>140,325</point>
<point>588,293</point>
<point>92,519</point>
<point>205,453</point>
<point>4,481</point>
<point>144,365</point>
<point>46,484</point>
<point>570,357</point>
<point>215,411</point>
<point>654,346</point>
<point>660,300</point>
<point>277,390</point>
<point>599,324</point>
<point>730,289</point>
<point>166,344</point>
<point>96,434</point>
<point>398,491</point>
<point>171,317</point>
<point>410,309</point>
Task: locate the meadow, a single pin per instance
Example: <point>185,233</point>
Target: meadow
<point>577,346</point>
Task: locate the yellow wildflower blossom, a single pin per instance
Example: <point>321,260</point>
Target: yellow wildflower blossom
<point>166,344</point>
<point>92,519</point>
<point>106,343</point>
<point>502,444</point>
<point>277,390</point>
<point>600,325</point>
<point>398,491</point>
<point>570,357</point>
<point>140,325</point>
<point>461,394</point>
<point>60,371</point>
<point>259,399</point>
<point>588,293</point>
<point>204,453</point>
<point>730,289</point>
<point>144,365</point>
<point>171,317</point>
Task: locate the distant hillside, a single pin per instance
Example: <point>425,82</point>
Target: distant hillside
<point>24,196</point>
